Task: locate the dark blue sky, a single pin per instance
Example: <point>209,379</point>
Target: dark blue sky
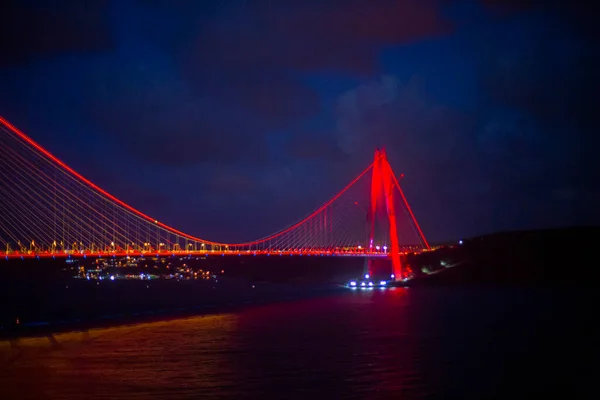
<point>230,119</point>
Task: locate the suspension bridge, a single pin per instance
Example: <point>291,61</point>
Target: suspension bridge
<point>47,209</point>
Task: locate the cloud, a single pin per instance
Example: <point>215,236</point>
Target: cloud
<point>579,15</point>
<point>262,47</point>
<point>183,132</point>
<point>501,157</point>
<point>400,115</point>
<point>308,145</point>
<point>509,7</point>
<point>195,82</point>
<point>316,35</point>
<point>217,99</point>
<point>356,108</point>
<point>31,31</point>
<point>536,119</point>
<point>276,100</point>
<point>214,95</point>
<point>548,78</point>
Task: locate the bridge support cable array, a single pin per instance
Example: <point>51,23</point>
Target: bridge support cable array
<point>48,209</point>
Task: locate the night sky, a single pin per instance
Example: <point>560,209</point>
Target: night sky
<point>230,119</point>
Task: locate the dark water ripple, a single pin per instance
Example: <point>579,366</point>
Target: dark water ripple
<point>426,343</point>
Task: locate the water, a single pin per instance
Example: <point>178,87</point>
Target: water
<point>380,344</point>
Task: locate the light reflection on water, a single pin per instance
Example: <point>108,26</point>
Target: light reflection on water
<point>358,344</point>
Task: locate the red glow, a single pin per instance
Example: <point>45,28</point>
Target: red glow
<point>382,190</point>
<point>375,193</point>
<point>391,212</point>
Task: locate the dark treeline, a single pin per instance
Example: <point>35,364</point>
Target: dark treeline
<point>545,257</point>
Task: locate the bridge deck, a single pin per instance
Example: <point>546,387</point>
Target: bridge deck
<point>82,254</point>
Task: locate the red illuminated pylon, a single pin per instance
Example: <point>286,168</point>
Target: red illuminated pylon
<point>388,186</point>
<point>382,194</point>
<point>376,187</point>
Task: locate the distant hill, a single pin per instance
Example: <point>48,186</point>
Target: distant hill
<point>568,256</point>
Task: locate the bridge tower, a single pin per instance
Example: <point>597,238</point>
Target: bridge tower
<point>382,196</point>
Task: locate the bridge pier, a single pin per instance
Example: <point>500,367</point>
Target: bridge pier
<point>380,268</point>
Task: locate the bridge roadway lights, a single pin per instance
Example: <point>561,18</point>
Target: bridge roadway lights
<point>85,253</point>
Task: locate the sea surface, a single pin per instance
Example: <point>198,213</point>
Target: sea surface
<point>456,343</point>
